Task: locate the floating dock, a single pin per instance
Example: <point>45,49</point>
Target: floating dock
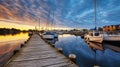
<point>37,53</point>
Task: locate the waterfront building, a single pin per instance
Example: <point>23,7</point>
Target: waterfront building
<point>111,28</point>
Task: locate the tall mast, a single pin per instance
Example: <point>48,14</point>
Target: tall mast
<point>48,20</point>
<point>53,15</point>
<point>95,14</point>
<point>39,24</point>
<point>53,21</point>
<point>49,14</point>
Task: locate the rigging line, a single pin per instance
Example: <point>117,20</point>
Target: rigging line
<point>100,21</point>
<point>48,19</point>
<point>51,9</point>
<point>53,20</point>
<point>95,13</point>
<point>53,15</point>
<point>39,24</point>
<point>50,12</point>
<point>53,23</point>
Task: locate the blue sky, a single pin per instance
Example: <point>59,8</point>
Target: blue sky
<point>67,13</point>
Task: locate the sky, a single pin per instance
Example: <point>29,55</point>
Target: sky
<point>58,13</point>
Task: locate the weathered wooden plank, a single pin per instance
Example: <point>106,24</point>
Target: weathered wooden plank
<point>39,63</point>
<point>36,49</point>
<point>37,56</point>
<point>70,64</point>
<point>43,52</point>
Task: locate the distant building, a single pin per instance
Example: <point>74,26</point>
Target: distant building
<point>111,28</point>
<point>118,27</point>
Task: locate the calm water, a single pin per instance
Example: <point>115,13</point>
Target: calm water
<point>85,55</point>
<point>9,43</point>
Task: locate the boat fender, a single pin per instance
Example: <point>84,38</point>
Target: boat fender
<point>60,50</point>
<point>72,57</point>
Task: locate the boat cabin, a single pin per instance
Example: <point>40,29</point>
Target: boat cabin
<point>94,33</point>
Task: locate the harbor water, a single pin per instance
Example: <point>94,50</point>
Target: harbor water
<point>103,55</point>
<point>87,54</point>
<point>9,43</point>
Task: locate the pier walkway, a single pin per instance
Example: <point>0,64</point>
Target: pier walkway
<point>37,53</point>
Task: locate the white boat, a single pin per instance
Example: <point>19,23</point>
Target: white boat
<point>112,38</point>
<point>94,37</point>
<point>48,35</point>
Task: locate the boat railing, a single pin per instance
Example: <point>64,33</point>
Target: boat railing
<point>111,34</point>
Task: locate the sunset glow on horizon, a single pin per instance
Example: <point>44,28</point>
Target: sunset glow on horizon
<point>16,26</point>
<point>4,24</point>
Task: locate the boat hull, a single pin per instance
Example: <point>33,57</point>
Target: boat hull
<point>111,42</point>
<point>96,39</point>
<point>48,36</point>
<point>112,39</point>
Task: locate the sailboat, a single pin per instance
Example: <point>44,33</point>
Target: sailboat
<point>94,36</point>
<point>50,34</point>
<point>54,32</point>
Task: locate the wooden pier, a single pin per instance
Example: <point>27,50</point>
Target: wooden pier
<point>37,53</point>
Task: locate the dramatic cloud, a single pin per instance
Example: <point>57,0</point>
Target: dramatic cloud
<point>67,13</point>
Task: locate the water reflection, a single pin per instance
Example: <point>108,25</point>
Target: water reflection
<point>8,44</point>
<point>7,38</point>
<point>113,47</point>
<point>88,54</point>
<point>94,45</point>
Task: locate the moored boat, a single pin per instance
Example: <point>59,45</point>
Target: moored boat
<point>112,38</point>
<point>94,37</point>
<point>48,35</point>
